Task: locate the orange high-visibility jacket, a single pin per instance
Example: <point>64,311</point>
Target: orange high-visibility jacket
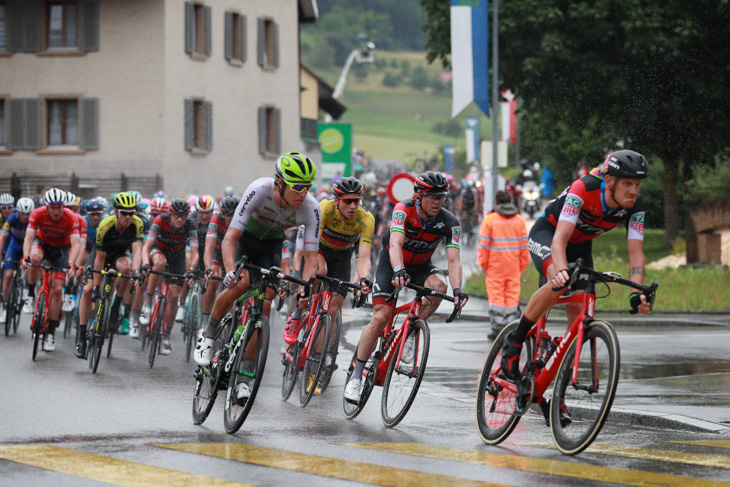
<point>503,246</point>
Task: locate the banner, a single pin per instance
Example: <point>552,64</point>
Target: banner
<point>469,55</point>
<point>335,140</point>
<point>472,139</point>
<point>509,116</point>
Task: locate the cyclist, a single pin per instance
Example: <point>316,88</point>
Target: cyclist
<point>7,208</point>
<point>136,301</point>
<point>268,207</point>
<point>417,227</point>
<point>589,207</point>
<point>158,207</point>
<point>165,250</point>
<point>13,234</point>
<point>94,210</point>
<point>52,234</point>
<point>69,290</point>
<point>117,244</point>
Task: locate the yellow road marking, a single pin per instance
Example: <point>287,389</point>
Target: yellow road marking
<point>103,469</point>
<point>715,443</point>
<point>538,465</point>
<point>663,456</point>
<point>323,466</point>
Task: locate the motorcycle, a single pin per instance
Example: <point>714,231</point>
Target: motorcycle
<point>531,198</point>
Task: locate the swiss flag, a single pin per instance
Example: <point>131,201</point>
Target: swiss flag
<point>509,116</point>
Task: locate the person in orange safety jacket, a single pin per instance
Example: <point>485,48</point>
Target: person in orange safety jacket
<point>503,255</point>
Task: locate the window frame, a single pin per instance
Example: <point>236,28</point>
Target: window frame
<point>4,126</point>
<point>235,37</point>
<point>199,128</point>
<point>4,20</point>
<point>46,27</point>
<point>46,147</point>
<point>269,130</point>
<point>268,44</point>
<point>198,43</point>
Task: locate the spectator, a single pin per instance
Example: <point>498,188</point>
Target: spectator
<point>547,181</point>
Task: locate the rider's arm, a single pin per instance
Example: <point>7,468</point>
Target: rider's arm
<point>75,249</point>
<point>397,239</point>
<point>310,264</point>
<point>210,243</point>
<point>146,248</point>
<point>3,237</point>
<point>136,255</point>
<point>558,251</point>
<point>228,248</point>
<point>363,260</point>
<point>637,266</point>
<point>28,242</point>
<point>98,265</point>
<point>453,257</point>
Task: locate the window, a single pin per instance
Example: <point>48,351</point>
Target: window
<point>197,30</point>
<point>62,26</point>
<point>235,40</point>
<point>2,123</point>
<point>3,27</point>
<point>53,124</point>
<point>268,48</point>
<point>198,126</point>
<point>269,131</point>
<point>63,123</point>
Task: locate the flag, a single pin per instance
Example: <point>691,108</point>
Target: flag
<point>509,116</point>
<point>472,139</point>
<point>469,55</point>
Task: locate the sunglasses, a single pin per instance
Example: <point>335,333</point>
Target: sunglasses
<point>350,201</point>
<point>435,197</point>
<point>6,207</point>
<point>127,213</point>
<point>179,215</point>
<point>299,187</point>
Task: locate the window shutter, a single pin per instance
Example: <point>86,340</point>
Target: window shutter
<point>276,46</point>
<point>229,36</point>
<point>89,112</point>
<point>277,114</point>
<point>90,25</point>
<point>32,124</point>
<point>24,25</point>
<point>262,41</point>
<point>16,123</point>
<point>189,27</point>
<point>243,38</point>
<point>262,130</point>
<point>208,32</point>
<point>209,126</point>
<point>189,125</point>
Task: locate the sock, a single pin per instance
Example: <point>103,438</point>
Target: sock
<point>359,367</point>
<point>82,332</point>
<point>127,310</point>
<point>211,329</point>
<point>204,321</point>
<point>52,325</point>
<point>31,290</point>
<point>297,313</point>
<point>135,316</point>
<point>518,336</point>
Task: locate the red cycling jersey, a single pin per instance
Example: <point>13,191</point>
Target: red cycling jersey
<point>217,229</point>
<point>54,233</point>
<point>172,240</point>
<point>83,227</point>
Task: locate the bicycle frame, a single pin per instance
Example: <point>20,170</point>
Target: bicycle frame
<point>320,305</point>
<point>45,280</point>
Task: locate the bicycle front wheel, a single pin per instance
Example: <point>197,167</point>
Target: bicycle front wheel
<point>192,320</point>
<point>332,350</point>
<point>314,361</point>
<point>16,305</point>
<point>99,332</point>
<point>39,319</point>
<point>495,405</point>
<point>206,390</point>
<point>240,397</point>
<point>352,409</point>
<point>401,383</point>
<point>289,379</point>
<point>579,410</point>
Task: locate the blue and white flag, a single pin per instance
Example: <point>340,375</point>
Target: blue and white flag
<point>469,55</point>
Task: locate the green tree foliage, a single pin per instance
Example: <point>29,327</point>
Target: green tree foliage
<point>419,78</point>
<point>710,183</point>
<point>391,80</point>
<point>450,128</point>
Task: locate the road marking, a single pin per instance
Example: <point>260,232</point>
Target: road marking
<point>104,469</point>
<point>663,456</point>
<point>324,466</point>
<point>539,465</point>
<point>715,443</point>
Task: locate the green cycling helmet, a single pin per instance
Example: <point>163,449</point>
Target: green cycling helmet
<point>125,201</point>
<point>137,196</point>
<point>295,167</point>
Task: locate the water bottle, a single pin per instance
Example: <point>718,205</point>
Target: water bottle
<point>545,349</point>
<point>237,334</point>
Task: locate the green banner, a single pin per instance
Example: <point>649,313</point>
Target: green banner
<point>335,140</point>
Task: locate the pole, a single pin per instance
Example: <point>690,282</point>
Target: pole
<point>495,97</point>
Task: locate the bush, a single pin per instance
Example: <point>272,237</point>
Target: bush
<point>710,182</point>
<point>419,79</point>
<point>391,80</point>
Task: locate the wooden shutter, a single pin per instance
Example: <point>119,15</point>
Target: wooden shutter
<point>189,125</point>
<point>32,124</point>
<point>15,120</point>
<point>189,27</point>
<point>89,112</point>
<point>243,38</point>
<point>262,130</point>
<point>275,61</point>
<point>24,25</point>
<point>209,126</point>
<point>228,39</point>
<point>262,41</point>
<point>89,25</point>
<point>277,114</point>
<point>208,32</point>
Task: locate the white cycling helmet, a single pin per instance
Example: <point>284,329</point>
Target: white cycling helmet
<point>70,199</point>
<point>6,199</point>
<point>55,197</point>
<point>25,205</point>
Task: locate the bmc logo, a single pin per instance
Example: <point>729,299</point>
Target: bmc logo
<point>541,251</point>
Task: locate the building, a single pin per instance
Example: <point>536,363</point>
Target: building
<point>97,96</point>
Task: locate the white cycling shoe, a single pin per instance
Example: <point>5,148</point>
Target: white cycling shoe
<point>352,390</point>
<point>49,345</point>
<point>243,391</point>
<point>204,351</point>
<point>144,316</point>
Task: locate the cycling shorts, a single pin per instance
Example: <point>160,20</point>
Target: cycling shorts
<point>263,253</point>
<point>175,265</point>
<point>338,263</point>
<point>540,239</point>
<point>383,287</point>
<point>56,256</point>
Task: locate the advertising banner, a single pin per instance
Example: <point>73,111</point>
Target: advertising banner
<point>335,140</point>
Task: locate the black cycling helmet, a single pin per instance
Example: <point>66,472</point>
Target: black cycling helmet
<point>347,186</point>
<point>95,206</point>
<point>431,182</point>
<point>626,164</point>
<point>229,204</point>
<point>179,205</point>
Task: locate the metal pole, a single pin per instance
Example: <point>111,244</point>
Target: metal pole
<point>495,96</point>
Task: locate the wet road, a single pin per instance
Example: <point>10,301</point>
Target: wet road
<point>129,425</point>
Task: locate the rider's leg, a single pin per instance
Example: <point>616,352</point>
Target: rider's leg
<point>437,281</point>
<point>224,301</point>
<point>209,297</point>
<point>31,275</point>
<point>54,308</point>
<point>173,291</point>
<point>369,338</point>
<point>159,264</point>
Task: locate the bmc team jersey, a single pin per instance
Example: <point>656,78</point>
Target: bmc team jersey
<point>54,233</point>
<point>422,237</point>
<point>109,240</point>
<point>217,230</point>
<point>584,205</point>
<point>259,215</point>
<point>337,233</point>
<point>172,240</point>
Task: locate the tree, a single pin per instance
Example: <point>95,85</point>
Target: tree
<point>419,78</point>
<point>652,73</point>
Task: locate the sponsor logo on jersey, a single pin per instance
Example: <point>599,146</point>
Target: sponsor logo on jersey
<point>457,234</point>
<point>637,223</point>
<point>572,205</point>
<point>398,218</point>
<point>440,225</point>
<point>541,251</point>
<point>245,203</point>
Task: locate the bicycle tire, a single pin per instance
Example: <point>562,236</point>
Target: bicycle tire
<point>155,334</point>
<point>600,357</point>
<point>17,302</point>
<point>314,362</point>
<point>234,414</point>
<point>38,321</point>
<point>99,332</point>
<point>352,409</point>
<point>289,379</point>
<point>332,351</point>
<point>192,319</point>
<point>109,331</point>
<point>400,387</point>
<point>10,305</point>
<point>206,383</point>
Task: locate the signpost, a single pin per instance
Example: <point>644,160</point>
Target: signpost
<point>401,187</point>
<point>335,140</point>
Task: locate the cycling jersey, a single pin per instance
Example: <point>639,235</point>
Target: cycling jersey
<point>260,216</point>
<point>54,233</point>
<point>83,228</point>
<point>422,238</point>
<point>337,233</point>
<point>583,204</point>
<point>109,240</point>
<point>201,231</point>
<point>90,234</point>
<point>14,229</point>
<point>172,240</point>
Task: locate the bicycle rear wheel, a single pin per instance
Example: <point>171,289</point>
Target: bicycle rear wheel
<point>289,379</point>
<point>17,298</point>
<point>206,390</point>
<point>589,400</point>
<point>332,350</point>
<point>111,328</point>
<point>98,334</point>
<point>39,320</point>
<point>236,410</point>
<point>401,385</point>
<point>495,405</point>
<point>353,409</point>
<point>192,320</point>
<point>314,361</point>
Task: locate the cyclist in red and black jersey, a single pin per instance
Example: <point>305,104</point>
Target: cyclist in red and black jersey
<point>592,205</point>
<point>416,229</point>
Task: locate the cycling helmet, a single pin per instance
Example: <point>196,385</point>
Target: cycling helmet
<point>295,167</point>
<point>137,196</point>
<point>228,191</point>
<point>229,205</point>
<point>430,182</point>
<point>70,199</point>
<point>626,164</point>
<point>192,200</point>
<point>179,205</point>
<point>25,205</point>
<point>6,199</point>
<point>95,206</point>
<point>125,201</point>
<point>205,203</point>
<point>160,194</point>
<point>159,205</point>
<point>347,186</point>
<point>55,197</point>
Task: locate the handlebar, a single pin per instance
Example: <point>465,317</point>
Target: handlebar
<point>338,283</point>
<point>48,267</point>
<point>422,291</point>
<point>113,273</point>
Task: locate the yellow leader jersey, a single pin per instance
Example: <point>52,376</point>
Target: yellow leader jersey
<point>340,234</point>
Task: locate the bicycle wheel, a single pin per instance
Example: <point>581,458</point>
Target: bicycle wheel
<point>155,334</point>
<point>206,390</point>
<point>353,409</point>
<point>98,333</point>
<point>192,320</point>
<point>332,350</point>
<point>589,400</point>
<point>289,379</point>
<point>401,385</point>
<point>314,362</point>
<point>39,319</point>
<point>236,410</point>
<point>16,298</point>
<point>495,404</point>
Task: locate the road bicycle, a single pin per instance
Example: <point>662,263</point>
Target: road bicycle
<point>191,320</point>
<point>101,328</point>
<point>39,325</point>
<point>156,330</point>
<point>244,331</point>
<point>14,302</point>
<point>70,317</point>
<point>316,331</point>
<point>586,362</point>
<point>399,378</point>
